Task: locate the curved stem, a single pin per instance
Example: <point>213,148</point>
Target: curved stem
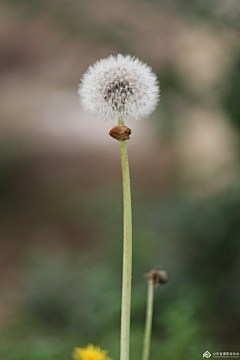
<point>148,324</point>
<point>127,255</point>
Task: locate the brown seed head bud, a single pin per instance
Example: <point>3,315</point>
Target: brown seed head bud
<point>159,276</point>
<point>120,132</point>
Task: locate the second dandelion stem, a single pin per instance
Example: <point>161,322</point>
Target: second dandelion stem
<point>148,325</point>
<point>127,255</point>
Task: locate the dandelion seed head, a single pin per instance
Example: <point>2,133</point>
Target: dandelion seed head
<point>119,85</point>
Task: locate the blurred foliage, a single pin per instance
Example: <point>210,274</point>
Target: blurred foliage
<point>72,297</point>
<point>209,10</point>
<point>232,94</point>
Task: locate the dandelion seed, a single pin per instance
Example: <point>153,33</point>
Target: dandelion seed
<point>90,353</point>
<point>119,85</point>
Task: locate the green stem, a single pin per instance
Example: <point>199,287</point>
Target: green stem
<point>148,325</point>
<point>127,254</point>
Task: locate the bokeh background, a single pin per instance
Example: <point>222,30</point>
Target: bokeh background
<point>60,179</point>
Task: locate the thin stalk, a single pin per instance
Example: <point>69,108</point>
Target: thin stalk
<point>148,324</point>
<point>127,254</point>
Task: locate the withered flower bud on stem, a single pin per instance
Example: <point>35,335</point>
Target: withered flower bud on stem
<point>120,132</point>
<point>160,277</point>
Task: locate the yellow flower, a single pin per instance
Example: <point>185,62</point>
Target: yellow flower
<point>90,353</point>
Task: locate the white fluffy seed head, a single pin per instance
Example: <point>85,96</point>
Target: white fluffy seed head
<point>119,85</point>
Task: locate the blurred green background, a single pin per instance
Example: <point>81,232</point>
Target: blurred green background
<point>60,183</point>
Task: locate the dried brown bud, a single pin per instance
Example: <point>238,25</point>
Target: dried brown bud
<point>120,132</point>
<point>159,277</point>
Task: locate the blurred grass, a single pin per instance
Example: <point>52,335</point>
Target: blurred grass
<point>72,298</point>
